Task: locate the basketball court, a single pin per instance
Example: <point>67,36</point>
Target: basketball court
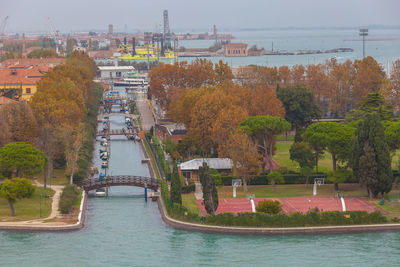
<point>294,204</point>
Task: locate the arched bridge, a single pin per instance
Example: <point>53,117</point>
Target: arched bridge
<point>139,181</point>
<point>100,117</point>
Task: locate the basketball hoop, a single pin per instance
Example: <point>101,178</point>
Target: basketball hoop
<point>235,184</point>
<point>319,182</point>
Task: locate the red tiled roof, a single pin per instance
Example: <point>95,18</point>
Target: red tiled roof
<point>27,62</point>
<point>20,76</point>
<point>5,100</point>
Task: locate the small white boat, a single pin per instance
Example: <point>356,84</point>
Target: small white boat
<point>104,156</point>
<point>104,143</point>
<point>100,192</point>
<point>104,164</point>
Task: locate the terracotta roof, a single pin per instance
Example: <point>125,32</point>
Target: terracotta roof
<point>20,76</point>
<point>235,45</point>
<point>27,62</point>
<point>5,100</point>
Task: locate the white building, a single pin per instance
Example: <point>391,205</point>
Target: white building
<point>114,72</point>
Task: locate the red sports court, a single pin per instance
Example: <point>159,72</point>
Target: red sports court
<point>294,204</point>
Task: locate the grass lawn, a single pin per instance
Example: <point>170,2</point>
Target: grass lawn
<point>27,208</point>
<point>58,178</point>
<point>189,202</point>
<point>282,156</point>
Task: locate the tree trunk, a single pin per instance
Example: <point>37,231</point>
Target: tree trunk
<point>245,185</point>
<point>71,178</point>
<point>334,162</point>
<point>316,163</point>
<point>10,205</point>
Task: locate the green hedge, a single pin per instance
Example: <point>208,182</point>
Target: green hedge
<point>68,196</point>
<point>290,178</point>
<point>188,188</point>
<point>327,218</point>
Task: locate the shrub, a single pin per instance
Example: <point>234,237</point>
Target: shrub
<point>68,197</point>
<point>188,188</point>
<point>269,206</point>
<point>275,178</point>
<point>217,179</point>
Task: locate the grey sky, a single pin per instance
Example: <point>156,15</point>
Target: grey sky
<point>68,15</point>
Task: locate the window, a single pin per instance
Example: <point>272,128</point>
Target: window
<point>118,74</point>
<point>28,90</point>
<point>186,174</point>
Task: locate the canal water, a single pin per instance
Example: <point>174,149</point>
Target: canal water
<point>124,230</point>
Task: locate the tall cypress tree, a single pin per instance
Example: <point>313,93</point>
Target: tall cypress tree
<point>176,189</point>
<point>370,159</point>
<point>210,193</point>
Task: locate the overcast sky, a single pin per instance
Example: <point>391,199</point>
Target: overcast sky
<point>74,15</point>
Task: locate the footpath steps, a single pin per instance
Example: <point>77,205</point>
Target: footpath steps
<point>198,193</point>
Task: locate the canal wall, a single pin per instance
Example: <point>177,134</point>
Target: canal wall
<point>214,229</point>
<point>51,226</point>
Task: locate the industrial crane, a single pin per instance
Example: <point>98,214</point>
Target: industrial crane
<point>54,32</point>
<point>2,28</point>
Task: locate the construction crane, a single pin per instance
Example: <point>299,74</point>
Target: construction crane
<point>2,28</point>
<point>54,32</point>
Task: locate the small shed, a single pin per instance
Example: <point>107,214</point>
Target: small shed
<point>190,169</point>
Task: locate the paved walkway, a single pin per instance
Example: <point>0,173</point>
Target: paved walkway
<point>54,211</point>
<point>146,116</point>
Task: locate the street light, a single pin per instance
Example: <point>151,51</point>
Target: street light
<point>363,33</point>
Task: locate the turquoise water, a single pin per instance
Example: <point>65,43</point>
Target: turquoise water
<point>124,230</point>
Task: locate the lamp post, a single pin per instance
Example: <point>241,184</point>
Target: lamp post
<point>363,33</point>
<point>40,213</point>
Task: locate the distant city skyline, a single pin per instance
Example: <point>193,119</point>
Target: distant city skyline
<point>131,15</point>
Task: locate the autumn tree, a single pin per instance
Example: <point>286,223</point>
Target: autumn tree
<point>21,122</point>
<point>369,78</point>
<point>203,115</point>
<point>5,133</point>
<point>226,121</point>
<point>246,160</point>
<point>223,73</point>
<point>263,131</point>
<point>263,101</point>
<point>340,83</point>
<point>317,81</point>
<point>14,189</point>
<point>297,75</point>
<point>394,95</point>
<point>370,161</point>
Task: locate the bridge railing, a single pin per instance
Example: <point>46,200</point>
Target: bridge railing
<point>121,180</point>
